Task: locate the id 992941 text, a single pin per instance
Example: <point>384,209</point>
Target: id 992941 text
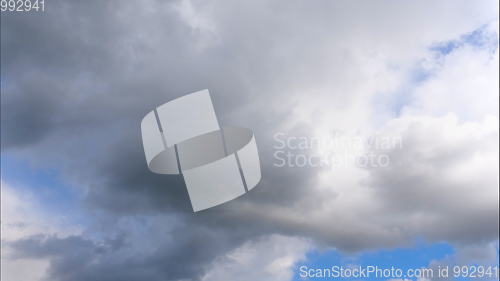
<point>22,5</point>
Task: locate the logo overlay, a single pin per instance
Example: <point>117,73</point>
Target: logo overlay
<point>183,136</point>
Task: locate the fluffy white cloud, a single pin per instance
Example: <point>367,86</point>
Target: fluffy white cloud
<point>464,82</point>
<point>441,182</point>
<point>267,258</point>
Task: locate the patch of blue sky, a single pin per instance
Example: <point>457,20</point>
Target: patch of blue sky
<point>479,38</point>
<point>50,191</point>
<point>418,256</point>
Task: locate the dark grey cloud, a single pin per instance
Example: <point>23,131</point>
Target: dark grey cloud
<point>78,258</point>
<point>77,80</point>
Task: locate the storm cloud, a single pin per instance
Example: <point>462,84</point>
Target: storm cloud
<point>78,78</point>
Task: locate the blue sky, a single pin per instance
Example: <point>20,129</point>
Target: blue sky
<point>419,255</point>
<point>51,191</point>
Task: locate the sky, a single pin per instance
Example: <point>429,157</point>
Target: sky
<point>410,88</point>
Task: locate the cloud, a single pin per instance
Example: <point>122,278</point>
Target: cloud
<point>22,217</point>
<point>482,254</point>
<point>444,180</point>
<point>271,257</point>
<point>77,80</point>
<point>459,78</point>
